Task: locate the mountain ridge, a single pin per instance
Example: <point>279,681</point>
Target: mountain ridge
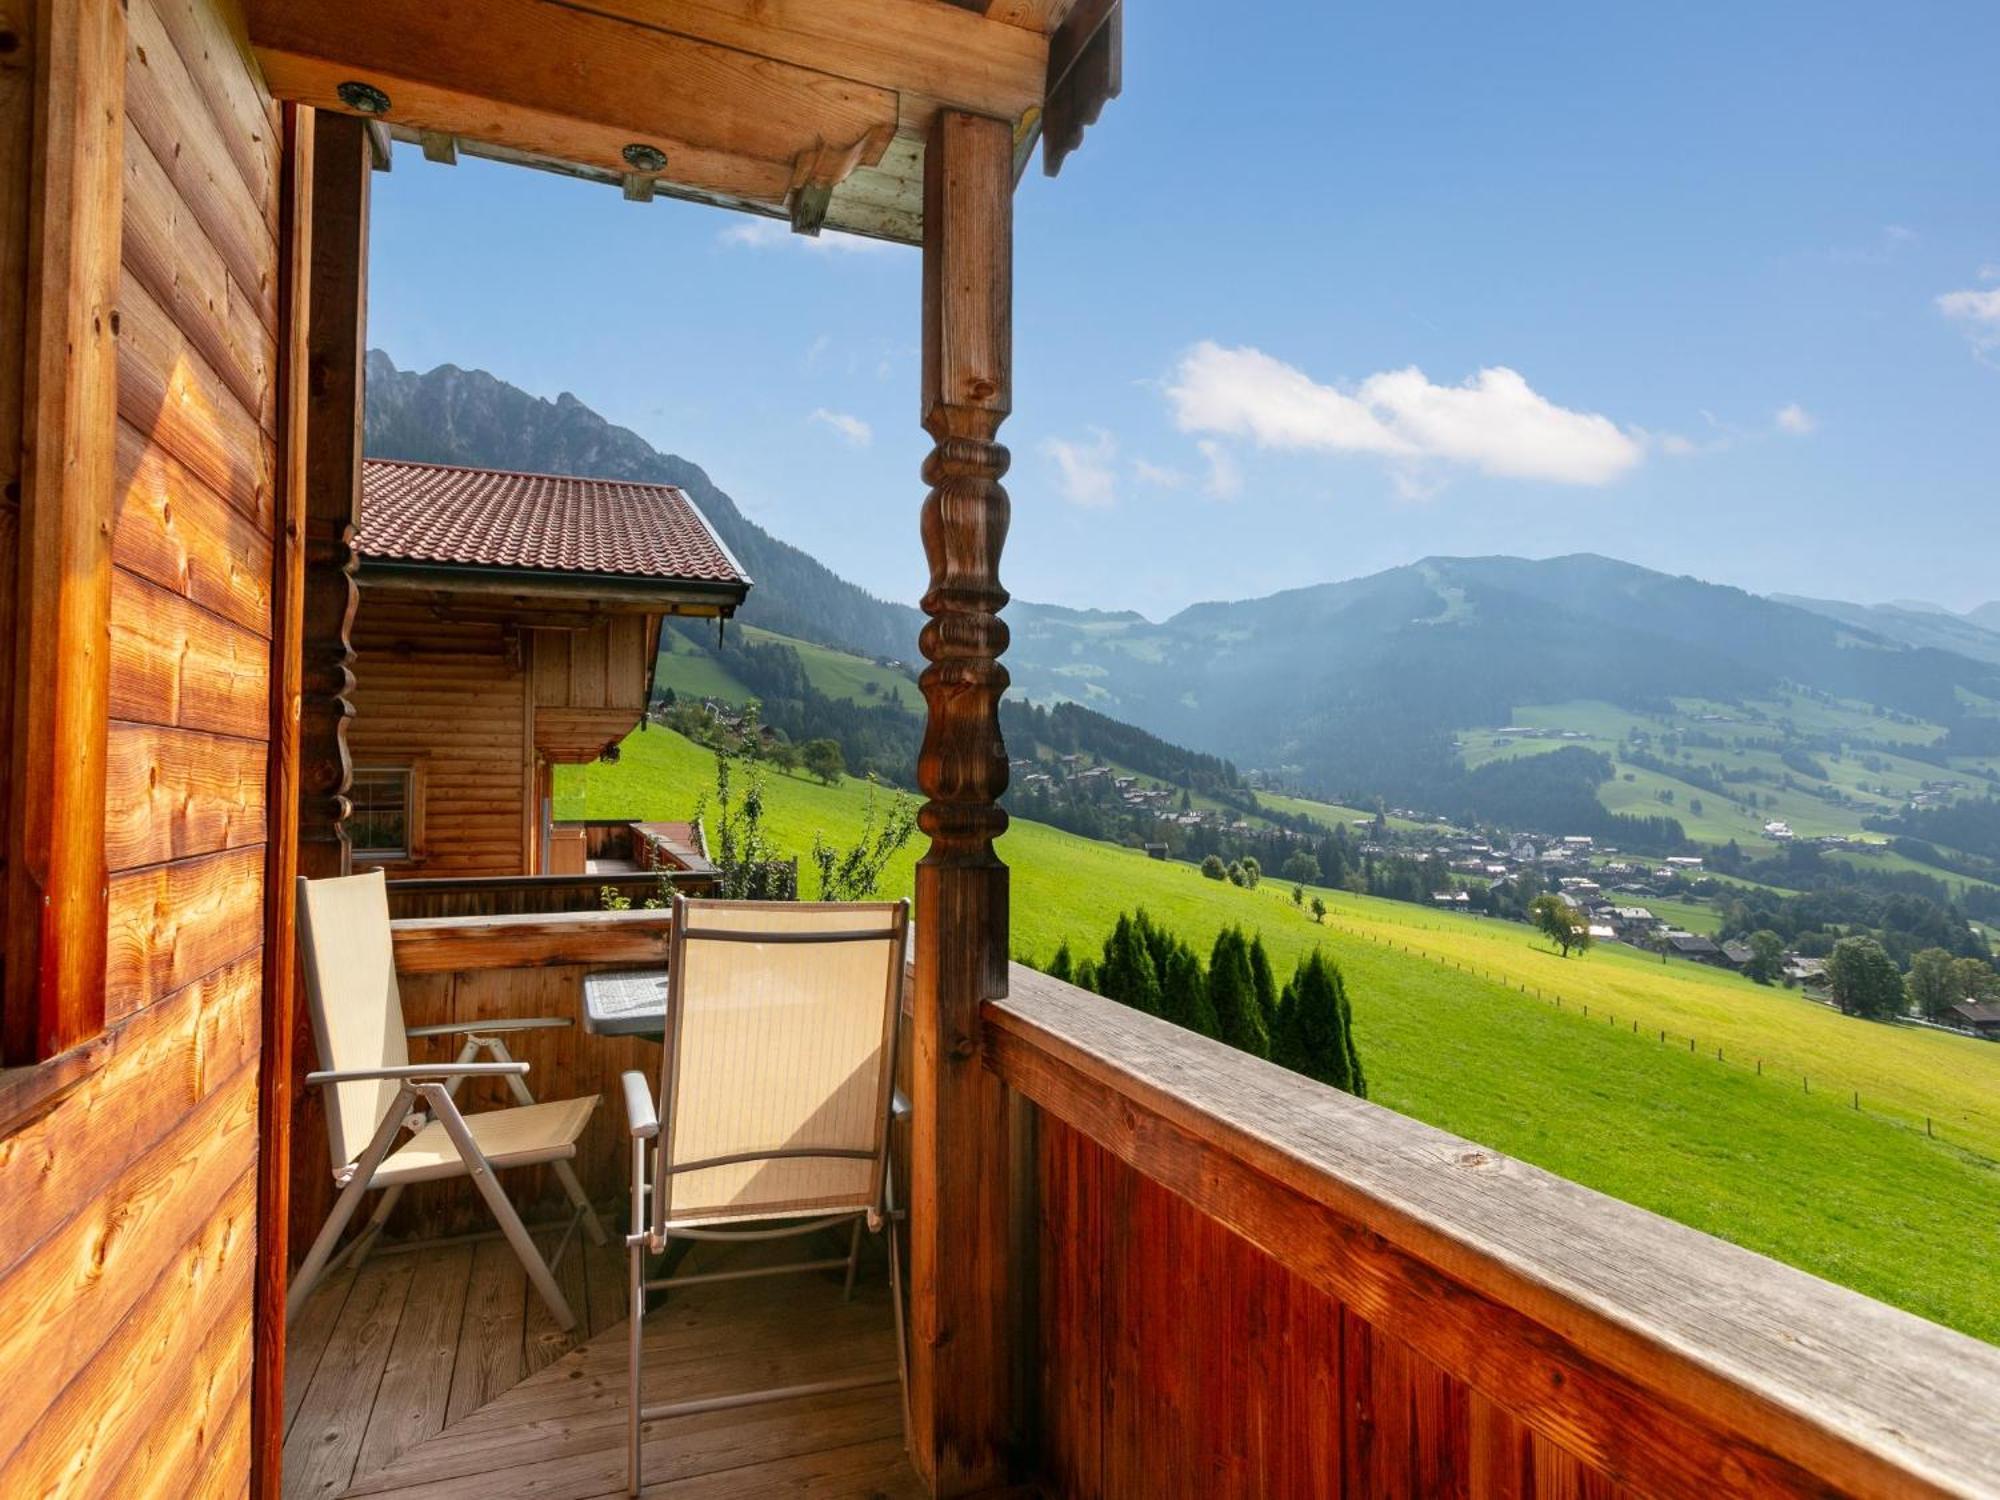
<point>458,416</point>
<point>1359,684</point>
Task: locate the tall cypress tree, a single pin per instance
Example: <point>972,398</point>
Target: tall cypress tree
<point>1318,1034</point>
<point>1062,966</point>
<point>1232,990</point>
<point>1184,992</point>
<point>1265,983</point>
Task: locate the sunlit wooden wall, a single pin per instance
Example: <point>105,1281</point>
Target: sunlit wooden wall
<point>128,1234</point>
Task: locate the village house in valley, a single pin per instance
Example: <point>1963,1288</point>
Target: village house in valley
<point>1138,1262</point>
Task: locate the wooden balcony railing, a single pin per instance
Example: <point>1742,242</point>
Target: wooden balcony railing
<point>1248,1284</point>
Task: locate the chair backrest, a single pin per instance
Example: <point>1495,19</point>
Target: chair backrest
<point>780,1058</point>
<point>351,995</point>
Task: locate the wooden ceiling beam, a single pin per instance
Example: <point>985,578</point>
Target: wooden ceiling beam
<point>576,86</point>
<point>930,53</point>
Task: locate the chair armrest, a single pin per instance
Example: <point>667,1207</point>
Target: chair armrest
<point>498,1024</point>
<point>639,1113</point>
<point>420,1072</point>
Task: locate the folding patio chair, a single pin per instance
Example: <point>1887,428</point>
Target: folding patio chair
<point>374,1092</point>
<point>776,1092</point>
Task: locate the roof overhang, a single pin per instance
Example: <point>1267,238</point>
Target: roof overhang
<point>527,591</point>
<point>812,110</point>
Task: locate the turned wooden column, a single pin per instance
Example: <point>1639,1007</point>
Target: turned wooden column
<point>330,470</point>
<point>336,352</point>
<point>959,1234</point>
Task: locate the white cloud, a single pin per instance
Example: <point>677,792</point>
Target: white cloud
<point>1225,480</point>
<point>853,431</point>
<point>1795,419</point>
<point>1495,422</point>
<point>1160,475</point>
<point>1977,311</point>
<point>1085,466</point>
<point>752,233</point>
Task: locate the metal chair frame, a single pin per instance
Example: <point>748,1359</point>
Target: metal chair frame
<point>652,1228</point>
<point>427,1092</point>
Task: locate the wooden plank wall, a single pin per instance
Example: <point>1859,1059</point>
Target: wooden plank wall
<point>127,1244</point>
<point>591,684</point>
<point>452,692</point>
<point>1177,1359</point>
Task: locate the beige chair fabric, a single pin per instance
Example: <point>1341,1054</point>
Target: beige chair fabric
<point>780,1026</point>
<point>374,1093</point>
<point>357,1011</point>
<point>520,1137</point>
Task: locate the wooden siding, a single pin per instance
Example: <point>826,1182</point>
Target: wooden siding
<point>591,684</point>
<point>128,1241</point>
<point>450,693</point>
<point>1254,1284</point>
<point>1180,1360</point>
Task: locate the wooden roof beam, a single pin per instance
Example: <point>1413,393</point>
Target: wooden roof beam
<point>1086,71</point>
<point>934,54</point>
<point>573,85</point>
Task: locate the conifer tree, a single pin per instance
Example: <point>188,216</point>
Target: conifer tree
<point>1317,1037</point>
<point>1062,966</point>
<point>1184,992</point>
<point>1086,976</point>
<point>1232,991</point>
<point>1265,983</point>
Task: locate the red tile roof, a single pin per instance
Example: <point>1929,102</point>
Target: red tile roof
<point>490,518</point>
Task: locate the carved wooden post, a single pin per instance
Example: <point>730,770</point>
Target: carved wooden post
<point>336,348</point>
<point>960,1360</point>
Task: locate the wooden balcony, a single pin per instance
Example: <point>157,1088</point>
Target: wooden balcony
<point>1223,1280</point>
<point>435,1371</point>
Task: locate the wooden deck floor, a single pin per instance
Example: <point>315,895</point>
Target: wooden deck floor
<point>436,1371</point>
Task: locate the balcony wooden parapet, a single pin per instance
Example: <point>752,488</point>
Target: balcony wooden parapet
<point>1249,1284</point>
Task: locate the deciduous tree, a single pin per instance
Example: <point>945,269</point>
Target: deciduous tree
<point>1864,979</point>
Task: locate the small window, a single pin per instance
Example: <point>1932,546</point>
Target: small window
<point>382,824</point>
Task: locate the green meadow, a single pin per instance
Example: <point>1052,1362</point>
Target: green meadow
<point>1865,1197</point>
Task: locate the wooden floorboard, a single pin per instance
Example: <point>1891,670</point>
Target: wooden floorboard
<point>437,1372</point>
<point>325,1439</point>
<point>410,1403</point>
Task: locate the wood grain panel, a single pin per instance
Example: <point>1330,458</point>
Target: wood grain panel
<point>451,693</point>
<point>96,1427</point>
<point>74,1291</point>
<point>171,924</point>
<point>174,663</point>
<point>1180,1360</point>
<point>175,531</point>
<point>169,108</point>
<point>175,793</point>
<point>168,254</point>
<point>170,392</point>
<point>127,1234</point>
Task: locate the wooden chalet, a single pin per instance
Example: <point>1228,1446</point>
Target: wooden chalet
<point>506,624</point>
<point>1141,1264</point>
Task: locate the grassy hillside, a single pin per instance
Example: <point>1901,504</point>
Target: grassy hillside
<point>840,674</point>
<point>1868,783</point>
<point>1861,1197</point>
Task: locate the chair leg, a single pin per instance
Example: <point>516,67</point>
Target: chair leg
<point>635,1315</point>
<point>896,1303</point>
<point>314,1264</point>
<point>853,1261</point>
<point>364,1244</point>
<point>446,1113</point>
<point>565,1173</point>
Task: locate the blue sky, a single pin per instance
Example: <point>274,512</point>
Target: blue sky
<point>1713,288</point>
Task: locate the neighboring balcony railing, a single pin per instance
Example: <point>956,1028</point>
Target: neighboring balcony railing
<point>1245,1283</point>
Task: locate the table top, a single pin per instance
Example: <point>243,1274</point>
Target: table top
<point>630,1002</point>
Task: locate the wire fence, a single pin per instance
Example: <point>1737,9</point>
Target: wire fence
<point>1667,1037</point>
